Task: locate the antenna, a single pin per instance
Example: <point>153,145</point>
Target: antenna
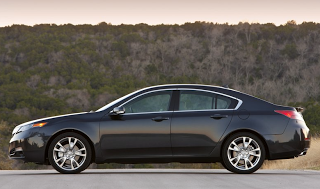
<point>225,86</point>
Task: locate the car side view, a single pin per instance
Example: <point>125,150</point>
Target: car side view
<point>167,123</point>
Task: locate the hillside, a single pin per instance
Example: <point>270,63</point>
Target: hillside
<point>48,70</point>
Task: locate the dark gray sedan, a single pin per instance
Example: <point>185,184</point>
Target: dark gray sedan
<point>167,123</point>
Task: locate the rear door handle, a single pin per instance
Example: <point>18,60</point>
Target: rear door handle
<point>159,118</point>
<point>218,116</point>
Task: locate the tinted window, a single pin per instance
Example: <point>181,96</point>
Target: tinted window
<point>196,100</point>
<point>223,102</point>
<point>199,100</point>
<point>152,102</point>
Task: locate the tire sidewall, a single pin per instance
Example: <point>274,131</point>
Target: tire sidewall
<point>225,158</point>
<point>79,137</point>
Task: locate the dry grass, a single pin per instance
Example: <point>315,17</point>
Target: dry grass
<point>309,161</point>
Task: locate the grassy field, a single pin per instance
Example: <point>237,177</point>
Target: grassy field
<point>309,161</point>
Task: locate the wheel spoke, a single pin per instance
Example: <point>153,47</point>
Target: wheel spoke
<point>71,163</point>
<point>247,143</point>
<point>79,153</point>
<point>72,144</point>
<point>63,161</point>
<point>248,161</point>
<point>74,161</point>
<point>59,150</point>
<point>57,160</point>
<point>236,164</point>
<point>254,150</point>
<point>254,154</point>
<point>233,159</point>
<point>236,147</point>
<point>244,141</point>
<point>63,148</point>
<point>245,164</point>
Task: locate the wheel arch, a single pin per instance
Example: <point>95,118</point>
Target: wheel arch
<point>65,131</point>
<point>249,131</point>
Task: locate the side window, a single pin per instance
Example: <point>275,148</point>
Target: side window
<point>196,100</point>
<point>223,102</point>
<point>151,102</point>
<point>200,100</point>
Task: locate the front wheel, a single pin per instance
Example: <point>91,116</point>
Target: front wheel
<point>243,153</point>
<point>69,153</point>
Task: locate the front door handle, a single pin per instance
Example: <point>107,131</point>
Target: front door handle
<point>159,118</point>
<point>218,116</point>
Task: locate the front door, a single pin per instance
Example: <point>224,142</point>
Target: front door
<point>142,131</point>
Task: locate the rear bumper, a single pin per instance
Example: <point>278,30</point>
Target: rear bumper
<point>27,146</point>
<point>294,142</point>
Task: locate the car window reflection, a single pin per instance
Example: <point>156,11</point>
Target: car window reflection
<point>152,102</point>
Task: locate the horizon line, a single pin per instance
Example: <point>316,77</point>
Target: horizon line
<point>168,24</point>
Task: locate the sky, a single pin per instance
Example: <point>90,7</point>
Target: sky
<point>154,12</point>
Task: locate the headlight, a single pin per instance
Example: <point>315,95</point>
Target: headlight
<point>22,128</point>
<point>19,129</point>
<point>15,130</point>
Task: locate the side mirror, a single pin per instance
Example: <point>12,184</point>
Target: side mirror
<point>118,111</point>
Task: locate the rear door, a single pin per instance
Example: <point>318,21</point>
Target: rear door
<point>198,122</point>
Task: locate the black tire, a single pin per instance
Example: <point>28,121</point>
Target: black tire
<point>224,165</point>
<point>72,156</point>
<point>246,156</point>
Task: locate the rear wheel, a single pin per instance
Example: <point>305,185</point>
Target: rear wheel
<point>243,153</point>
<point>69,153</point>
<point>224,165</point>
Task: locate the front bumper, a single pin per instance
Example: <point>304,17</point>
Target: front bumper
<point>28,146</point>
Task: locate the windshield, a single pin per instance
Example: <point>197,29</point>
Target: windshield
<point>122,98</point>
<point>115,101</point>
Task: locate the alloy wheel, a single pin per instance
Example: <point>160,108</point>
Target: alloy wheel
<point>69,153</point>
<point>244,153</point>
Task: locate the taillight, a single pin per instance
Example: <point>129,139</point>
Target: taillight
<point>290,114</point>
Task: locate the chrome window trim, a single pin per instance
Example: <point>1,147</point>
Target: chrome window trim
<point>190,89</point>
<point>204,110</point>
<point>147,113</point>
<point>168,85</point>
